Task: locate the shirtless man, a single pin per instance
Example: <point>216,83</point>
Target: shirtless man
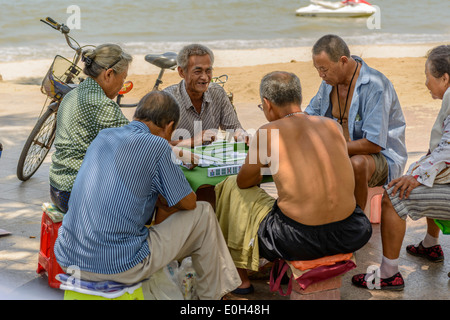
<point>313,175</point>
<point>365,104</point>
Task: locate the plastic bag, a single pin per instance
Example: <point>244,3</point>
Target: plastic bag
<point>163,284</point>
<point>187,279</point>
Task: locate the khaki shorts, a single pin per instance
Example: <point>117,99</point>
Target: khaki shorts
<point>380,174</point>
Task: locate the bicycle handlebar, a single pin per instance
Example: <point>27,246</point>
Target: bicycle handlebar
<point>52,23</point>
<point>64,30</point>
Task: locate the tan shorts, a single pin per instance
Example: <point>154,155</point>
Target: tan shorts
<point>193,233</point>
<point>380,174</point>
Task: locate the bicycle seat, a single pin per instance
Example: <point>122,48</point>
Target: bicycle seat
<point>166,60</point>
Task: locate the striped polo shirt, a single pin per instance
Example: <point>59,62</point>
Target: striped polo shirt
<point>113,197</point>
<point>217,112</point>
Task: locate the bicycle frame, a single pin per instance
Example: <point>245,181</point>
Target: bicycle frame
<point>42,136</point>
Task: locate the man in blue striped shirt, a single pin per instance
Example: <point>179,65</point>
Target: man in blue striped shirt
<point>126,172</point>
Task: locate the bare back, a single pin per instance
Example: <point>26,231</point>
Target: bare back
<point>314,176</point>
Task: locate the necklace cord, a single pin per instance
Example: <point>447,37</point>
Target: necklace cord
<point>341,116</point>
<point>291,114</point>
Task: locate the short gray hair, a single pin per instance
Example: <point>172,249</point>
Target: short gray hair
<point>103,57</point>
<point>281,88</point>
<point>193,50</point>
<point>333,45</point>
<point>438,60</point>
<point>159,107</point>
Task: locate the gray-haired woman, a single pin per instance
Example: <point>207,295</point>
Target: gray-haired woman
<point>85,111</point>
<point>424,191</point>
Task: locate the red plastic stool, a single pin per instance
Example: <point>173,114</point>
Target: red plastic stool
<point>373,204</point>
<point>49,233</point>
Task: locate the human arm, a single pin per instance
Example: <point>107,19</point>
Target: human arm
<point>362,146</point>
<point>404,185</point>
<point>240,135</point>
<point>164,211</point>
<point>187,203</point>
<point>377,117</point>
<point>189,159</point>
<point>204,137</point>
<point>174,191</point>
<point>320,103</point>
<point>258,159</point>
<point>427,171</point>
<point>438,160</point>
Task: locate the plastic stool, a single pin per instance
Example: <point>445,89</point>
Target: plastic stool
<point>373,204</point>
<point>46,258</point>
<point>318,279</point>
<point>325,290</point>
<point>73,295</point>
<point>102,290</point>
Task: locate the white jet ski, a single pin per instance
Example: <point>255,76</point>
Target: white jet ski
<point>345,9</point>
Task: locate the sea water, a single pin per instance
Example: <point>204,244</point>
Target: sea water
<point>144,26</point>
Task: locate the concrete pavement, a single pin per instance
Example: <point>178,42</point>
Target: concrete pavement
<point>20,213</point>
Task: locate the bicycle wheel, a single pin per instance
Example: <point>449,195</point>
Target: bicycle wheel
<point>37,145</point>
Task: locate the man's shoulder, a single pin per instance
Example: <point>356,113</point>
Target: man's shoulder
<point>174,89</point>
<point>374,75</point>
<point>215,89</point>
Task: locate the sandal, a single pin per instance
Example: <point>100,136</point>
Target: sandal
<point>433,253</point>
<point>393,283</point>
<point>243,291</point>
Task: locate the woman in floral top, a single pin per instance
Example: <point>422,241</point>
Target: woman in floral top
<point>425,189</point>
<point>85,111</point>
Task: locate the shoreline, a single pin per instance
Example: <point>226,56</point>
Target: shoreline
<point>11,71</point>
<point>403,65</point>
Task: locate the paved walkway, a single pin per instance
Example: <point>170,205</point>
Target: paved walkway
<point>20,213</point>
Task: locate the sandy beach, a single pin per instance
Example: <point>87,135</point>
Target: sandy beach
<point>402,64</point>
<point>21,103</point>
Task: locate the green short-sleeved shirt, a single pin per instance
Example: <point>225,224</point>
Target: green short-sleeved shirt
<point>83,112</point>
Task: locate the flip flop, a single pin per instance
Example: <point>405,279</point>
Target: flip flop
<point>244,291</point>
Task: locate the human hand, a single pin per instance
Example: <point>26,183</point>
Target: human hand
<point>404,185</point>
<point>205,137</point>
<point>189,159</point>
<point>241,136</point>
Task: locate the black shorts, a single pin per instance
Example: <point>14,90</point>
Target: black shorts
<point>282,237</point>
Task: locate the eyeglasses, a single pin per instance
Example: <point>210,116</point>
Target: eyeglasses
<point>260,106</point>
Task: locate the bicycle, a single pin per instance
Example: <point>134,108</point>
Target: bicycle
<point>62,77</point>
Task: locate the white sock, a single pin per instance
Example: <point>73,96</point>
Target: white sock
<point>388,267</point>
<point>430,241</point>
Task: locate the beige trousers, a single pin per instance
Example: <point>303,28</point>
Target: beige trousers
<point>194,233</point>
